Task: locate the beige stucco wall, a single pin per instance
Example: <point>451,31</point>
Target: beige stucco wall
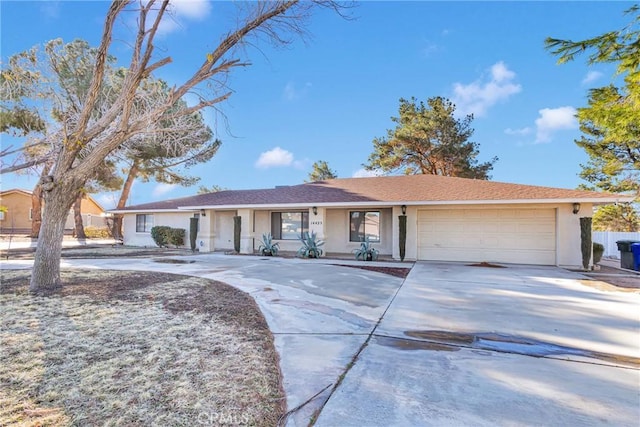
<point>568,233</point>
<point>337,231</point>
<point>170,219</point>
<point>332,225</point>
<point>18,205</point>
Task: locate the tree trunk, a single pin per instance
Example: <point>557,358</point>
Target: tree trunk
<point>116,229</point>
<point>45,276</point>
<point>36,211</point>
<point>36,205</point>
<point>77,217</point>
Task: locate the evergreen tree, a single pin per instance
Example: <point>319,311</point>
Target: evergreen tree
<point>428,139</point>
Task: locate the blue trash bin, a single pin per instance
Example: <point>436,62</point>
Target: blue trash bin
<point>635,250</point>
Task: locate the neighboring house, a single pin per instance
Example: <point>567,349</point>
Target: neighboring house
<point>448,219</point>
<point>17,218</point>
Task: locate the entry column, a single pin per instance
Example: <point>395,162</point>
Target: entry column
<point>317,221</point>
<point>246,231</point>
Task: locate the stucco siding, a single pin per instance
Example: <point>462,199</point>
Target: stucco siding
<point>170,219</point>
<point>332,225</point>
<point>337,231</point>
<point>18,205</point>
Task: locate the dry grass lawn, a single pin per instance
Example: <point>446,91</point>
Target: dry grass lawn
<point>135,348</point>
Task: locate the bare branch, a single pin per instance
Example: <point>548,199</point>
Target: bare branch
<point>101,58</point>
<point>25,165</point>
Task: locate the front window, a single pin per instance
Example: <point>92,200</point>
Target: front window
<point>144,222</point>
<point>1,215</point>
<point>289,225</point>
<point>364,224</point>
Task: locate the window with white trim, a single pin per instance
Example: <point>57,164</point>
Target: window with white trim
<point>364,224</point>
<point>144,222</point>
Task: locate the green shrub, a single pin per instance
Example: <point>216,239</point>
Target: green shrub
<point>97,232</point>
<point>598,251</point>
<point>402,224</point>
<point>160,235</point>
<point>237,228</point>
<point>585,241</point>
<point>193,232</point>
<point>176,236</point>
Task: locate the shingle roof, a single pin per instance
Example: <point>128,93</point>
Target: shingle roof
<point>406,189</point>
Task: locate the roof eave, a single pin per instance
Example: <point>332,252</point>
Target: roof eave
<point>126,211</point>
<point>593,200</point>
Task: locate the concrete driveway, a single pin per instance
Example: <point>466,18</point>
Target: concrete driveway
<point>463,345</point>
<point>450,345</point>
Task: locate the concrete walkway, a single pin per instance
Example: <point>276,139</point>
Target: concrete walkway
<point>450,345</point>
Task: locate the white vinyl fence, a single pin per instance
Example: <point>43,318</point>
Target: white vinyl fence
<point>608,239</point>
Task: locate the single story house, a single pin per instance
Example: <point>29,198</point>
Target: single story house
<point>16,213</point>
<point>448,219</point>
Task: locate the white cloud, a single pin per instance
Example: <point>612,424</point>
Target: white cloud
<point>50,9</point>
<point>192,9</point>
<point>162,189</point>
<point>291,92</point>
<point>552,120</point>
<point>591,77</point>
<point>430,48</point>
<point>180,11</point>
<point>522,131</point>
<point>477,97</point>
<point>363,173</point>
<point>274,158</point>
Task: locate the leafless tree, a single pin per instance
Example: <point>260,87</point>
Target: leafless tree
<point>90,130</point>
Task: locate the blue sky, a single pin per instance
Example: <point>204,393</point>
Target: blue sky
<point>328,96</point>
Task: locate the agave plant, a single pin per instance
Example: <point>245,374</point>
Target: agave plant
<point>366,251</point>
<point>267,246</point>
<point>310,246</point>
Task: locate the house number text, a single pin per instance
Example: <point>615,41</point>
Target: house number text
<point>316,222</point>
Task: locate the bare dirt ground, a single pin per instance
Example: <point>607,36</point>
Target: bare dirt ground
<point>608,278</point>
<point>135,348</point>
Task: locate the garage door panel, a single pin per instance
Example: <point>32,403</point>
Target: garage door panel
<point>501,235</point>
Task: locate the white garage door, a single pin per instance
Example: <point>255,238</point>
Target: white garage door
<point>524,236</point>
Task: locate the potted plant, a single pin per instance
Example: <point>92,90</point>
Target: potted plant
<point>310,246</point>
<point>267,246</point>
<point>366,251</point>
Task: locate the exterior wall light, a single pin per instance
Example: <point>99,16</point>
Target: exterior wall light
<point>404,209</point>
<point>202,212</point>
<point>315,210</point>
<point>576,208</point>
